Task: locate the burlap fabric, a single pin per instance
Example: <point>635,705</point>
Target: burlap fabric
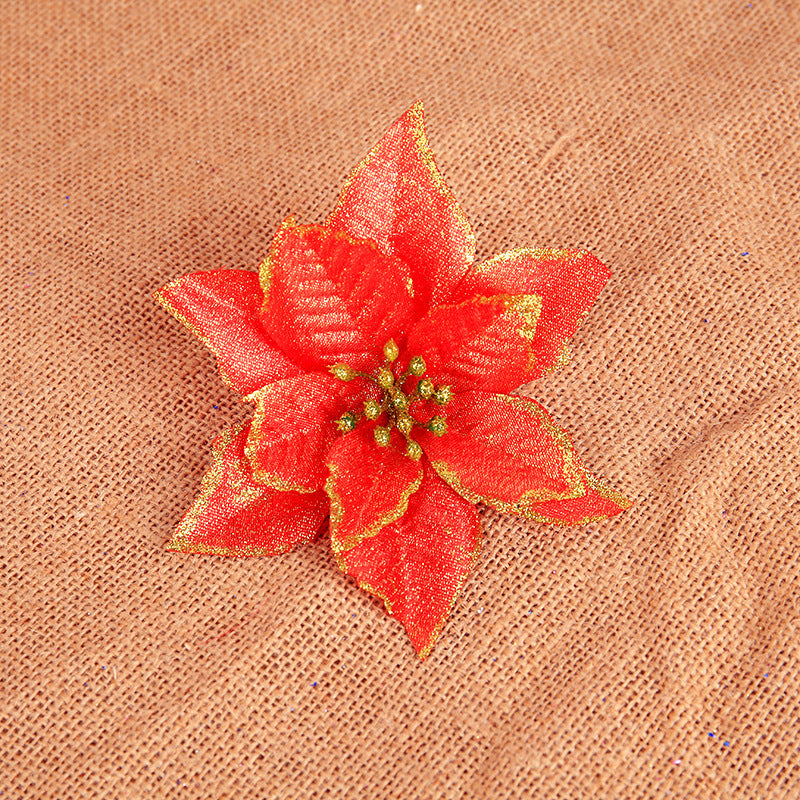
<point>653,655</point>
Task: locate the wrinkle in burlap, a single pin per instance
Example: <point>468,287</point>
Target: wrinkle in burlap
<point>655,655</point>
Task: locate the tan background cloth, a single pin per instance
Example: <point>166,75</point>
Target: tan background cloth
<point>655,655</point>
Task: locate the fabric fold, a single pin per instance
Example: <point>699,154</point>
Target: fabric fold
<point>234,515</point>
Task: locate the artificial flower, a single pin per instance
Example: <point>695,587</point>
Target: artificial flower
<point>379,359</point>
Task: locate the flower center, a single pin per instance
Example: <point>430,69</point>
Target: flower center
<point>395,402</point>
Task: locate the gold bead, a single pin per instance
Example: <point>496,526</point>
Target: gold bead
<point>405,424</point>
<point>425,388</point>
<point>385,378</point>
<point>347,422</point>
<point>382,436</point>
<point>342,372</point>
<point>391,351</point>
<point>413,450</point>
<point>443,395</point>
<point>437,426</point>
<point>417,366</point>
<point>372,410</point>
<point>400,401</point>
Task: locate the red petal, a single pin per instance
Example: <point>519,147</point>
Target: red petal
<point>480,343</point>
<point>599,502</point>
<point>397,197</point>
<point>235,516</point>
<point>369,486</point>
<point>292,429</point>
<point>418,563</point>
<point>332,299</point>
<point>222,309</point>
<point>504,451</point>
<point>568,282</point>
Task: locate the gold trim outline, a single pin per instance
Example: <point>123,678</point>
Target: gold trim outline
<point>338,511</point>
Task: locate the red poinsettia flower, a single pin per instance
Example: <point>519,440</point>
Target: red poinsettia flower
<point>379,359</point>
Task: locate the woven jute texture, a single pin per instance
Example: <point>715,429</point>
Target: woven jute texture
<point>653,655</point>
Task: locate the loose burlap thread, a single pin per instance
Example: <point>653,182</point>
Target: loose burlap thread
<point>650,656</point>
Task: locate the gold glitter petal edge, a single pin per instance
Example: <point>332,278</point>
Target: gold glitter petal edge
<point>337,509</point>
<point>524,506</point>
<point>184,320</point>
<point>365,585</point>
<point>602,489</point>
<point>518,507</point>
<point>573,471</point>
<point>538,253</point>
<point>473,556</point>
<point>606,491</point>
<point>473,560</point>
<point>337,512</point>
<point>180,541</point>
<point>417,116</point>
<point>269,479</point>
<point>529,308</point>
<point>541,253</point>
<point>273,481</point>
<point>562,359</point>
<point>266,271</point>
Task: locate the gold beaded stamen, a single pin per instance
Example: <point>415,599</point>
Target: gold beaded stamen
<point>395,403</point>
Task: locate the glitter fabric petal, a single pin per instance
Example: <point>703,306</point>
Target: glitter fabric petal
<point>292,430</point>
<point>379,360</point>
<point>368,486</point>
<point>567,282</point>
<point>597,503</point>
<point>504,451</point>
<point>329,298</point>
<point>418,564</point>
<point>222,309</point>
<point>236,516</point>
<point>480,343</point>
<point>397,197</point>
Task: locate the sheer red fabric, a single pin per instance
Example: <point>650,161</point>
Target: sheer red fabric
<point>378,358</point>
